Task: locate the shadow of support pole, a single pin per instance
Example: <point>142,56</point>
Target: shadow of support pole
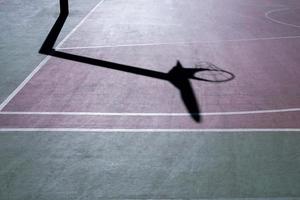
<point>64,7</point>
<point>178,76</point>
<point>47,47</point>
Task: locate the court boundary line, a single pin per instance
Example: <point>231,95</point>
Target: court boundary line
<point>181,43</point>
<point>44,61</point>
<point>267,15</point>
<point>151,114</point>
<point>147,130</point>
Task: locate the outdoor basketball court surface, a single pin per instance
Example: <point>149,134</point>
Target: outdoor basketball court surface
<point>259,43</point>
<point>171,99</point>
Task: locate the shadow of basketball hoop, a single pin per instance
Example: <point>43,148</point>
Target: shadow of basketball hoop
<point>178,76</point>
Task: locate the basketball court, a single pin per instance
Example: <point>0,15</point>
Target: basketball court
<point>167,67</point>
<point>260,48</point>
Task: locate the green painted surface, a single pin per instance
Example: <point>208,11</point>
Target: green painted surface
<point>149,165</point>
<point>24,26</point>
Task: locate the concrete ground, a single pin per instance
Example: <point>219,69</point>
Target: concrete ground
<point>128,165</point>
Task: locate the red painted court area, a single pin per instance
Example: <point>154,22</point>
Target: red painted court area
<point>257,41</point>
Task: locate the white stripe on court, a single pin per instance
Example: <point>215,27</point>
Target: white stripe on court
<point>181,43</point>
<point>44,61</point>
<point>80,23</point>
<point>28,78</point>
<point>145,130</point>
<point>267,15</point>
<point>153,114</point>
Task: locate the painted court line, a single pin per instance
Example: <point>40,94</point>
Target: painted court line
<point>79,24</point>
<point>44,61</point>
<point>152,114</point>
<point>267,15</point>
<point>144,130</point>
<point>180,43</point>
<point>28,78</point>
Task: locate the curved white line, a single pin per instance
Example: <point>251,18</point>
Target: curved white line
<point>267,15</point>
<point>153,114</point>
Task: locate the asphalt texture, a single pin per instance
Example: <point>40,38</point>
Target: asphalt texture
<point>126,165</point>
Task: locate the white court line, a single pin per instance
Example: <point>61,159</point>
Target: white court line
<point>145,130</point>
<point>146,24</point>
<point>44,61</point>
<point>180,43</point>
<point>152,114</point>
<point>80,23</point>
<point>28,78</point>
<point>267,15</point>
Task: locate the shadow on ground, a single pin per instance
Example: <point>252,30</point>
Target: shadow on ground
<point>178,75</point>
